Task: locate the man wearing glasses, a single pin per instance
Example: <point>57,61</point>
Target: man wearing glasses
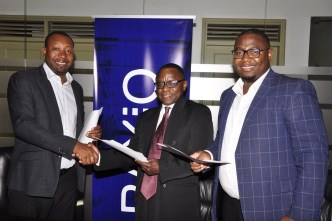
<point>272,133</point>
<point>178,122</point>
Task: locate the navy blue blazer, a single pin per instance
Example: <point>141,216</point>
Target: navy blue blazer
<point>282,153</point>
<point>39,139</point>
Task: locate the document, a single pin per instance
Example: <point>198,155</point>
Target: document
<point>180,153</point>
<point>130,152</point>
<point>90,122</point>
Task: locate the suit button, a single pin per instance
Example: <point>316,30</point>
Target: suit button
<point>173,143</point>
<point>164,185</point>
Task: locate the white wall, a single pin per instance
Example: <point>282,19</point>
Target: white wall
<point>296,12</point>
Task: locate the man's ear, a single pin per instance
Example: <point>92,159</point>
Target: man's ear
<point>44,51</point>
<point>185,85</point>
<point>270,53</point>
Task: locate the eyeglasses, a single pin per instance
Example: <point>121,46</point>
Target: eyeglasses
<point>169,84</point>
<point>252,53</point>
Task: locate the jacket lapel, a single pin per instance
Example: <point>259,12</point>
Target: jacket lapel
<point>79,107</point>
<point>225,107</point>
<point>258,100</point>
<point>149,128</point>
<point>176,118</point>
<point>49,95</point>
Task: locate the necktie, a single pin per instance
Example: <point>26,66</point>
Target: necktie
<point>149,183</point>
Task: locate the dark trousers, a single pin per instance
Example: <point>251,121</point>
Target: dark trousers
<point>61,207</point>
<point>227,208</point>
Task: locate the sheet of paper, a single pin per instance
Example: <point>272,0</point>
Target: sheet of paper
<point>180,153</point>
<point>90,122</point>
<point>130,152</point>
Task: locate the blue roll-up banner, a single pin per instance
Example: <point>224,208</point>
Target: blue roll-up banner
<point>128,53</point>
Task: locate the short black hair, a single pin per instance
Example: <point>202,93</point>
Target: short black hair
<point>172,65</point>
<point>256,32</point>
<point>57,33</point>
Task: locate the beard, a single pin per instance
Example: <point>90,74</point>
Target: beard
<point>249,79</point>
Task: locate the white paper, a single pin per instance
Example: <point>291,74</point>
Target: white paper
<point>90,122</point>
<point>130,152</point>
<point>180,153</point>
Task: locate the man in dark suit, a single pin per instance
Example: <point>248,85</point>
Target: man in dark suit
<point>189,127</point>
<point>46,108</point>
<point>271,131</point>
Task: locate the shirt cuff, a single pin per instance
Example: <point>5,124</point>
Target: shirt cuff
<point>98,163</point>
<point>209,152</point>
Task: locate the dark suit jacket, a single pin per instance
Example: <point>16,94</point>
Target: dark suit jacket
<point>282,153</point>
<point>189,129</point>
<point>39,139</point>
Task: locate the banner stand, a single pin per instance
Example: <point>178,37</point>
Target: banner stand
<point>129,50</point>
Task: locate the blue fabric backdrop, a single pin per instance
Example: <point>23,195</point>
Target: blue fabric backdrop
<point>128,53</point>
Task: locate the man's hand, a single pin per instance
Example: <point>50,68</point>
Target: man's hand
<point>150,168</point>
<point>286,218</point>
<point>200,155</point>
<point>95,132</point>
<point>87,154</point>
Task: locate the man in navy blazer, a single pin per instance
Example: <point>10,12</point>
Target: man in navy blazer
<point>46,108</point>
<point>189,127</point>
<point>271,131</point>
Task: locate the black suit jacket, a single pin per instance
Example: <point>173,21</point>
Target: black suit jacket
<point>189,129</point>
<point>39,139</point>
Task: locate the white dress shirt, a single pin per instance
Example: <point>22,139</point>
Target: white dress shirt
<point>235,119</point>
<point>67,105</point>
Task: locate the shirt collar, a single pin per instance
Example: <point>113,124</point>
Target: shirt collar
<point>51,75</point>
<point>238,86</point>
<point>170,106</point>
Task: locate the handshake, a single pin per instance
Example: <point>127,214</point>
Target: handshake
<point>88,154</point>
